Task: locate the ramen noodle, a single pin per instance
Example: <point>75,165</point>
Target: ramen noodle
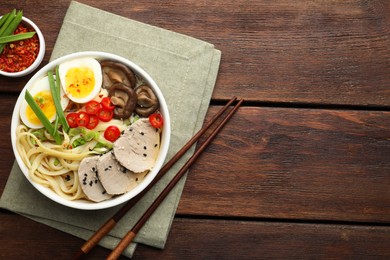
<point>56,165</point>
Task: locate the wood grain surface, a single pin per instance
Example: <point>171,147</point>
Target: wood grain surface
<point>322,52</point>
<point>295,164</point>
<point>303,168</point>
<point>221,239</point>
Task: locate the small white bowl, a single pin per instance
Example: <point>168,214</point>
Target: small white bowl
<point>41,54</point>
<point>165,137</point>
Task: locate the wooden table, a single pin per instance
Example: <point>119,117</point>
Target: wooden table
<point>303,168</point>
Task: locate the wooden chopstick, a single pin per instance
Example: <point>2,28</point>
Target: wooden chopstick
<point>110,224</point>
<point>128,238</point>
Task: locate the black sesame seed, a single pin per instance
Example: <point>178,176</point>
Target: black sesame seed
<point>90,183</point>
<point>155,145</point>
<point>142,133</point>
<point>104,192</point>
<point>85,174</point>
<point>106,169</point>
<point>136,179</point>
<point>144,147</point>
<point>145,154</point>
<point>96,181</point>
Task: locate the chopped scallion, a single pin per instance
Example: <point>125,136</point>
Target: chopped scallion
<point>42,117</point>
<point>16,37</point>
<point>7,22</point>
<point>64,122</point>
<point>11,27</point>
<point>3,19</point>
<point>55,92</point>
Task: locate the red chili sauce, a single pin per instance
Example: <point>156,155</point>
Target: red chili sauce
<point>19,55</point>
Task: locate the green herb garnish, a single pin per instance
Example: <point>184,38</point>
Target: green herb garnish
<point>42,117</point>
<point>9,18</point>
<point>3,19</point>
<point>16,37</point>
<point>55,92</point>
<point>9,25</point>
<point>40,134</point>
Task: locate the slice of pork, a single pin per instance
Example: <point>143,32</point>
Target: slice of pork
<point>139,176</point>
<point>115,178</point>
<point>138,146</point>
<point>89,180</point>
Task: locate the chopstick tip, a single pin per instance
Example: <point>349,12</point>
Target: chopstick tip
<point>79,254</point>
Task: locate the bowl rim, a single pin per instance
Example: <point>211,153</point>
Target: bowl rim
<point>40,56</point>
<point>165,138</point>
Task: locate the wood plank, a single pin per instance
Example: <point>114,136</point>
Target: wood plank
<point>291,51</point>
<point>217,239</point>
<point>209,239</point>
<point>27,239</point>
<point>7,103</point>
<point>295,164</point>
<point>273,51</point>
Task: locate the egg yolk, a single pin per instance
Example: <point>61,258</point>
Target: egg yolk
<point>45,101</point>
<point>79,82</point>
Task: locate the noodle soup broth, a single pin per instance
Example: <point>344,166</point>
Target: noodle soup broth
<point>74,165</point>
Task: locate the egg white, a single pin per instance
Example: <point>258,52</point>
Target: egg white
<point>90,63</point>
<point>39,86</point>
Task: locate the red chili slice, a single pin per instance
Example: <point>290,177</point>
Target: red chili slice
<point>107,104</point>
<point>92,107</point>
<point>156,120</point>
<point>93,122</point>
<point>105,115</point>
<point>82,119</point>
<point>112,133</point>
<point>72,119</point>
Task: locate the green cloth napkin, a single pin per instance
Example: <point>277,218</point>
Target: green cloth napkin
<point>185,69</point>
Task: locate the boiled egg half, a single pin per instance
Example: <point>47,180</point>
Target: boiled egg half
<point>42,96</point>
<point>81,79</point>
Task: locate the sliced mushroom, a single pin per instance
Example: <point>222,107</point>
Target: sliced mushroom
<point>116,72</point>
<point>147,101</point>
<point>124,99</point>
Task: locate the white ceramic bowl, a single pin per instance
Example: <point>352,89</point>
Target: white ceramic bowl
<point>165,138</point>
<point>41,54</point>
